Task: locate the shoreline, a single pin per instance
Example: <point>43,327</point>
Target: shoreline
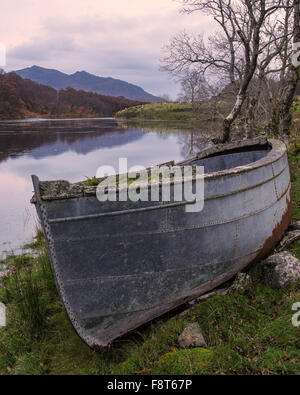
<point>41,119</point>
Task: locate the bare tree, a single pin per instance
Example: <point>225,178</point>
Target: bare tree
<point>165,98</point>
<point>266,91</point>
<point>293,76</point>
<point>234,52</point>
<point>273,87</point>
<point>194,88</point>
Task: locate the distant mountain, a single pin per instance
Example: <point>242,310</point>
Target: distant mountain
<point>87,82</point>
<point>24,98</point>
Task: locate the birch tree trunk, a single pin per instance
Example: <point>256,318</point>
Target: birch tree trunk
<point>293,78</point>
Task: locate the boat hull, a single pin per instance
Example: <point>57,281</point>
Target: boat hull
<point>118,266</point>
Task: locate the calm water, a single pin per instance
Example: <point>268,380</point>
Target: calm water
<point>73,150</point>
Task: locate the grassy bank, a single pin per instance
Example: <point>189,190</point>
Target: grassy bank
<point>206,111</point>
<point>247,332</point>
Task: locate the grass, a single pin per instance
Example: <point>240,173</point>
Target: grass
<point>91,182</point>
<point>165,111</point>
<point>247,332</point>
<point>173,112</point>
<point>207,116</point>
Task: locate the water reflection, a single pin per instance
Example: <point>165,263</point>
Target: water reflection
<point>45,138</point>
<point>73,150</point>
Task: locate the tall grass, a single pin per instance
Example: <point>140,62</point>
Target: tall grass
<point>31,289</point>
<point>30,307</point>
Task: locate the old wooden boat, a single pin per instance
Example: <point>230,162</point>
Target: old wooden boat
<point>119,265</point>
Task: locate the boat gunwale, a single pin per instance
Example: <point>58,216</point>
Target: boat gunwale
<point>164,206</point>
<point>277,151</point>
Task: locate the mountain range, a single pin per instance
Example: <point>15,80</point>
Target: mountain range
<point>81,80</point>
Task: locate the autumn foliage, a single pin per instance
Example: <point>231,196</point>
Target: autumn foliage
<point>23,98</point>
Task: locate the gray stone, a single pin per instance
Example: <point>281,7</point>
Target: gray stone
<point>209,295</point>
<point>52,190</point>
<point>203,298</point>
<point>289,238</point>
<point>192,337</point>
<point>240,283</point>
<point>295,225</point>
<point>6,269</point>
<point>281,270</point>
<point>4,272</point>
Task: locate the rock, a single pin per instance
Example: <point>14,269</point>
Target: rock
<point>281,270</point>
<point>59,190</point>
<point>5,270</point>
<point>216,140</point>
<point>192,337</point>
<point>240,283</point>
<point>295,226</point>
<point>289,238</point>
<point>203,298</point>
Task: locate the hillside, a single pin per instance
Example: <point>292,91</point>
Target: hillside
<point>21,98</point>
<point>82,80</point>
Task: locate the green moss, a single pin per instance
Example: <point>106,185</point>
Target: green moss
<point>140,356</point>
<point>127,367</point>
<point>95,181</point>
<point>194,361</point>
<point>246,328</point>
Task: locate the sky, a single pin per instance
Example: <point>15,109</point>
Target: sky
<point>122,39</point>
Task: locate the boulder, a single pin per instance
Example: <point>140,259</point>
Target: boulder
<point>281,270</point>
<point>4,271</point>
<point>289,238</point>
<point>295,226</point>
<point>192,337</point>
<point>203,298</point>
<point>240,283</point>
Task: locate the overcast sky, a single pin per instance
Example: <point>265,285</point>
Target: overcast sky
<point>115,38</point>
